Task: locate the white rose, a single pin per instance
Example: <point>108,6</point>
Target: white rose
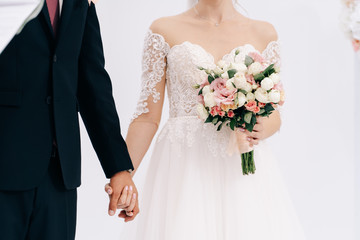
<point>261,95</point>
<point>218,71</point>
<point>255,68</point>
<point>241,99</point>
<point>254,86</point>
<point>221,64</point>
<point>209,100</point>
<point>275,77</point>
<point>248,87</point>
<point>267,84</point>
<point>230,84</point>
<point>240,80</point>
<point>240,67</point>
<point>225,75</point>
<point>277,68</point>
<point>250,97</point>
<point>202,112</point>
<point>275,96</point>
<point>206,90</point>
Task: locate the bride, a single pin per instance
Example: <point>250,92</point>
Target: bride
<point>193,189</point>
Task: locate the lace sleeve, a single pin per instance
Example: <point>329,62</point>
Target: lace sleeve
<point>153,70</point>
<point>272,53</point>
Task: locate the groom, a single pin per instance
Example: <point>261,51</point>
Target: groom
<point>50,71</point>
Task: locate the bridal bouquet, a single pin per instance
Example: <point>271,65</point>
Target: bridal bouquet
<point>350,21</point>
<point>235,93</point>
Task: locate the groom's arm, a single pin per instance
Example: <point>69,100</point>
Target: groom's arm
<point>96,101</point>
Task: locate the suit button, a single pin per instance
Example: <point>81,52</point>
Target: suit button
<point>55,58</point>
<point>49,100</point>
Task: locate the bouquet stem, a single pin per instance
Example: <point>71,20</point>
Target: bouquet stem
<point>248,163</point>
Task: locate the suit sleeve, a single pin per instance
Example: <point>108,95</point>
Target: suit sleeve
<point>96,102</point>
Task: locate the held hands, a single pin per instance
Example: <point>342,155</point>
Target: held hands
<point>123,195</point>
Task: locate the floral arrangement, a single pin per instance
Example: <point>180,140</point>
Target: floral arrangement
<point>236,93</point>
<point>350,21</point>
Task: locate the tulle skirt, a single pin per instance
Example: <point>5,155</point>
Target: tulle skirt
<point>195,191</point>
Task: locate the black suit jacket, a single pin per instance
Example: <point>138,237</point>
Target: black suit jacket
<point>44,82</point>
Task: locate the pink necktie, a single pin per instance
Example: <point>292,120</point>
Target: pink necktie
<point>53,7</point>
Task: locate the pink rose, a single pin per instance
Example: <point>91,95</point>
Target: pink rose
<point>222,114</point>
<point>213,112</point>
<point>251,105</point>
<point>356,45</point>
<point>261,105</point>
<point>256,110</point>
<point>250,79</point>
<point>221,93</point>
<point>257,57</point>
<point>231,114</point>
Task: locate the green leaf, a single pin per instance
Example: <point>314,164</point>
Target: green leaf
<point>201,91</point>
<point>248,117</point>
<point>243,91</point>
<point>269,107</point>
<point>249,127</point>
<point>215,120</point>
<point>211,78</point>
<point>209,119</point>
<point>262,111</point>
<point>221,125</point>
<point>259,77</point>
<point>232,73</point>
<point>248,61</point>
<point>269,70</point>
<point>232,124</point>
<point>233,84</point>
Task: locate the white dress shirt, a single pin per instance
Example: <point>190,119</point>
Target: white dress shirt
<point>14,14</point>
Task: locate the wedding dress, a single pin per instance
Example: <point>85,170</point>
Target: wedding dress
<point>193,189</point>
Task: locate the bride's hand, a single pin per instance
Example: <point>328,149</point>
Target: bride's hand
<point>243,141</point>
<point>127,201</point>
<point>258,132</point>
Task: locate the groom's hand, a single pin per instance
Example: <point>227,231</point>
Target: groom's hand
<point>123,195</point>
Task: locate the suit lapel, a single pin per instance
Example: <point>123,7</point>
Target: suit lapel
<point>45,12</point>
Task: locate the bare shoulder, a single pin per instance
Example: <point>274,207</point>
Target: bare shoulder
<point>264,30</point>
<point>166,26</point>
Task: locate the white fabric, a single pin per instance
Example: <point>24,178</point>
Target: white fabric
<point>193,190</point>
<point>14,14</point>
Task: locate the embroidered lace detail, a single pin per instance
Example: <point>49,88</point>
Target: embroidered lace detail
<point>184,131</point>
<point>153,64</point>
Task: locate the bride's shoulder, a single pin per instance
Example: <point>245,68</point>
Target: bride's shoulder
<point>264,30</point>
<point>168,26</point>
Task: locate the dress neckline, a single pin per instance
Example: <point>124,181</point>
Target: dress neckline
<point>207,52</point>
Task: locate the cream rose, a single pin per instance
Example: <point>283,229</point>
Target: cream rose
<point>206,90</point>
<point>202,112</point>
<point>218,71</point>
<point>209,99</point>
<point>274,96</point>
<point>261,95</point>
<point>225,75</point>
<point>255,68</point>
<point>240,80</point>
<point>267,84</point>
<point>248,87</point>
<point>230,84</point>
<point>250,97</point>
<point>240,99</point>
<point>240,67</point>
<point>275,77</point>
<point>221,64</point>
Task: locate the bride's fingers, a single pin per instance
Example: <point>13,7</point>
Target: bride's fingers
<point>132,205</point>
<point>129,197</point>
<point>123,197</point>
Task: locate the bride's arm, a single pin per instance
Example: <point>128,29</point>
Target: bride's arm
<point>148,114</point>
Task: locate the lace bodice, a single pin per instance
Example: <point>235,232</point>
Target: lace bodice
<point>181,62</point>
